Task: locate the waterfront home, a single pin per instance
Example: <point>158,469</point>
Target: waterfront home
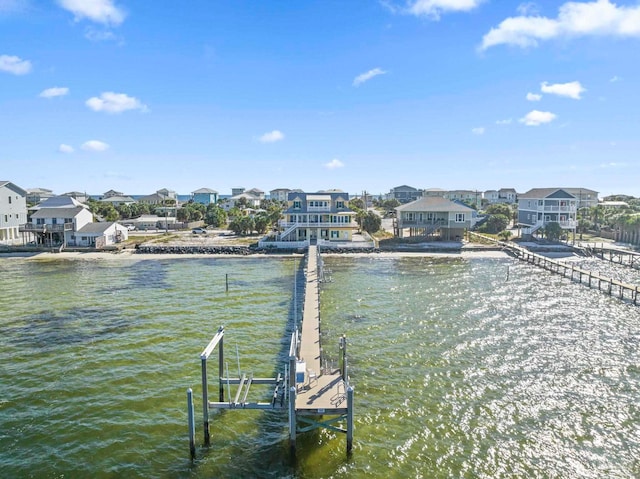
<point>404,193</point>
<point>434,192</point>
<point>258,193</point>
<point>586,197</point>
<point>100,235</point>
<point>13,210</point>
<point>205,196</point>
<point>36,195</point>
<point>56,220</point>
<point>470,197</point>
<point>541,206</point>
<point>250,200</point>
<point>118,200</point>
<point>112,193</point>
<point>281,194</point>
<point>318,216</point>
<point>434,217</point>
<point>503,195</point>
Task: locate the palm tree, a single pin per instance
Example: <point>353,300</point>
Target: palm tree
<point>505,235</point>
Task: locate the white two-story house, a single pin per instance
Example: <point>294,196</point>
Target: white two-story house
<point>56,220</point>
<point>322,215</point>
<point>541,206</point>
<point>13,211</point>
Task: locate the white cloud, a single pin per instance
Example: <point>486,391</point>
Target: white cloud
<point>612,164</point>
<point>111,102</point>
<point>99,11</point>
<point>478,131</point>
<point>360,79</point>
<point>572,89</point>
<point>53,92</point>
<point>65,148</point>
<point>272,137</point>
<point>15,65</point>
<point>94,145</point>
<point>536,117</point>
<point>97,35</point>
<point>615,78</point>
<point>434,8</point>
<point>528,8</point>
<point>534,96</point>
<point>599,17</point>
<point>508,121</point>
<point>334,164</point>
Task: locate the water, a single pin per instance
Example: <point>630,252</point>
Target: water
<point>458,371</point>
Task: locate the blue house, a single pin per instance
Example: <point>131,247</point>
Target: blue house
<point>205,196</point>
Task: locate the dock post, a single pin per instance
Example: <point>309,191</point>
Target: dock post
<point>192,424</point>
<point>343,357</point>
<point>205,403</point>
<point>292,420</point>
<point>349,419</point>
<point>221,367</point>
<point>226,282</point>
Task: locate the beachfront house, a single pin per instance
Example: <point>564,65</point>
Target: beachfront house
<point>318,216</point>
<point>404,193</point>
<point>205,196</point>
<point>13,210</point>
<point>36,195</point>
<point>100,235</point>
<point>279,194</point>
<point>118,200</point>
<point>434,218</point>
<point>540,206</point>
<point>56,220</point>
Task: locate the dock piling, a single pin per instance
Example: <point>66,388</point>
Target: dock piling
<point>192,424</point>
<point>349,419</point>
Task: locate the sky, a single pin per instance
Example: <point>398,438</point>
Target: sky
<point>356,95</point>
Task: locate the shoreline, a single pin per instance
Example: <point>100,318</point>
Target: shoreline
<point>131,254</point>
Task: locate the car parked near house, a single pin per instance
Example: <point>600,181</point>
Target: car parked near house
<point>199,231</point>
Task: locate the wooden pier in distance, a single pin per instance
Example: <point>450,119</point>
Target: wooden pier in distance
<point>614,255</point>
<point>607,285</point>
<point>314,395</point>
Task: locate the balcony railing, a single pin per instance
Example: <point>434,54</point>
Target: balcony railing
<point>318,224</point>
<point>46,228</point>
<point>560,208</point>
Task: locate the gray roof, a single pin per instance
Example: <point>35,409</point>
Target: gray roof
<point>404,188</point>
<point>204,191</point>
<point>14,187</point>
<point>60,202</point>
<point>92,228</point>
<point>57,212</point>
<point>435,204</point>
<point>543,193</point>
<point>118,199</point>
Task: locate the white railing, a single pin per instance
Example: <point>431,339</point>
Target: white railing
<point>311,224</point>
<point>560,208</point>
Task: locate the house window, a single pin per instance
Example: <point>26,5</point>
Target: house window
<point>409,216</point>
<point>335,234</point>
<point>339,204</point>
<point>459,217</point>
<point>6,218</point>
<point>9,199</point>
<point>540,202</point>
<point>39,221</point>
<point>54,221</point>
<point>297,205</point>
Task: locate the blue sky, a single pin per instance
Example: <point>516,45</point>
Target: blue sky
<point>357,95</point>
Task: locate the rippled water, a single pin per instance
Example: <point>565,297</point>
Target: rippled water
<point>463,368</point>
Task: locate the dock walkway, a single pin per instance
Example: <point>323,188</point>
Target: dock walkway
<point>326,392</point>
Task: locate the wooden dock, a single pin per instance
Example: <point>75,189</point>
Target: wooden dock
<point>612,287</point>
<point>623,257</point>
<point>322,392</point>
<point>316,391</point>
<point>314,395</point>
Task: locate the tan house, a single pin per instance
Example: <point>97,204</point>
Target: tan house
<point>435,217</point>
